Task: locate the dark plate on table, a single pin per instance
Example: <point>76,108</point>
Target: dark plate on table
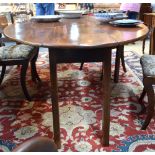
<point>126,22</point>
<point>46,18</point>
<point>71,14</point>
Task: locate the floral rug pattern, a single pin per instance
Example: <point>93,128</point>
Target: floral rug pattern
<point>80,108</point>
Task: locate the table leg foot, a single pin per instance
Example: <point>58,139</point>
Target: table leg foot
<point>105,143</point>
<point>58,144</point>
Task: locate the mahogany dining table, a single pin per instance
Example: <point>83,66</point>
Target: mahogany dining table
<point>75,41</point>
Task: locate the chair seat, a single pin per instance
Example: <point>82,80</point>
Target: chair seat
<point>148,65</point>
<point>20,51</point>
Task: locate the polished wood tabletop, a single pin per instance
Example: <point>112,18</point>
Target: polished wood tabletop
<point>77,40</point>
<point>74,33</point>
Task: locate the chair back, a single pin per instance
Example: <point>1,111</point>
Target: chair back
<point>3,24</point>
<point>20,16</point>
<point>3,21</point>
<point>149,19</point>
<point>145,8</point>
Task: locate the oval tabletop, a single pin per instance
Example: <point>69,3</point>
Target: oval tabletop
<point>85,32</point>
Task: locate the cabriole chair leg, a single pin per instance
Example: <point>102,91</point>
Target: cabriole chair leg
<point>2,73</point>
<point>122,60</point>
<point>150,109</point>
<point>144,40</point>
<point>141,102</point>
<point>142,96</point>
<point>34,73</point>
<point>81,66</point>
<point>23,80</point>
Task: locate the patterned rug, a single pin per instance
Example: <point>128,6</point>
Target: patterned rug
<point>80,108</point>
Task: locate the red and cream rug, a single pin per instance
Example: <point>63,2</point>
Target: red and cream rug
<point>80,108</point>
